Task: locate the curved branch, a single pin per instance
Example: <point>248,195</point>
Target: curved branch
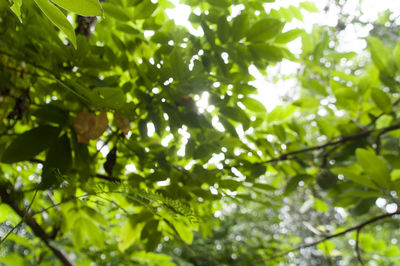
<point>341,140</point>
<point>7,198</point>
<point>312,244</point>
<point>22,218</point>
<point>358,253</point>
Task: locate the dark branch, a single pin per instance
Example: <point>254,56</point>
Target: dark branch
<point>22,219</point>
<point>7,198</point>
<point>358,253</point>
<point>109,178</point>
<point>342,140</point>
<point>312,244</point>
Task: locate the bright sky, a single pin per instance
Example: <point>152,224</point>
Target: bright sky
<point>271,93</point>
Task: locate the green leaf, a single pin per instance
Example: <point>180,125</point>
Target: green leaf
<point>320,206</point>
<point>353,172</point>
<point>13,259</point>
<point>223,30</point>
<point>395,174</point>
<point>326,247</point>
<point>184,232</point>
<point>309,6</point>
<point>281,112</point>
<point>240,26</point>
<point>363,206</point>
<point>203,151</point>
<point>58,158</point>
<point>381,100</point>
<point>130,232</point>
<point>264,29</point>
<point>267,51</point>
<point>156,117</point>
<point>294,182</point>
<point>96,237</point>
<point>149,258</point>
<point>289,36</point>
<point>81,7</point>
<point>326,179</point>
<point>107,97</point>
<point>374,166</point>
<point>228,127</point>
<point>51,113</point>
<point>30,143</point>
<point>257,170</point>
<point>263,186</point>
<point>144,10</point>
<point>153,240</point>
<point>326,128</point>
<point>380,56</point>
<point>220,3</point>
<point>16,8</point>
<point>229,184</point>
<point>235,114</point>
<point>295,11</point>
<point>151,226</point>
<point>95,216</point>
<point>116,12</point>
<point>82,160</point>
<point>58,18</point>
<point>280,132</point>
<point>253,105</point>
<point>177,64</point>
<point>143,129</point>
<point>396,56</point>
<point>78,233</point>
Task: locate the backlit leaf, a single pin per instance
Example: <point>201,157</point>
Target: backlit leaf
<point>264,29</point>
<point>253,105</point>
<point>289,36</point>
<point>81,7</point>
<point>382,100</point>
<point>58,18</point>
<point>374,166</point>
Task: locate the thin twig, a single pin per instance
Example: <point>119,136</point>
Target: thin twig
<point>7,197</point>
<point>342,140</point>
<point>109,178</point>
<point>358,247</point>
<point>113,202</point>
<point>12,230</point>
<point>312,244</point>
<point>22,219</point>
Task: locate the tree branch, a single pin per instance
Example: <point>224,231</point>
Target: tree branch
<point>312,244</point>
<point>109,178</point>
<point>22,219</point>
<point>358,247</point>
<point>100,176</point>
<point>7,198</point>
<point>341,140</point>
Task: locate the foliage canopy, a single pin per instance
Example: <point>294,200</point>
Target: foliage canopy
<point>126,139</point>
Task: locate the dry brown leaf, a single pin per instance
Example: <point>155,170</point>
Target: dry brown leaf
<point>122,123</point>
<point>89,126</point>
